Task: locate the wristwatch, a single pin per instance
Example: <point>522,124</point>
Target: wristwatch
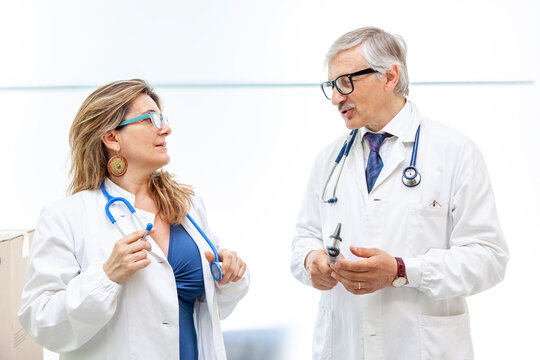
<point>401,278</point>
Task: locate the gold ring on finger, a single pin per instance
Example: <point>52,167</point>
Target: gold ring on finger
<point>359,285</point>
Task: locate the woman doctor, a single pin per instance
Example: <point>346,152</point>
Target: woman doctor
<point>92,293</point>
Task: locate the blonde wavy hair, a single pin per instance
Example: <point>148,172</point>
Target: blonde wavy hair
<point>101,112</point>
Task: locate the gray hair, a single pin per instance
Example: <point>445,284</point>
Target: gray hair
<point>380,49</point>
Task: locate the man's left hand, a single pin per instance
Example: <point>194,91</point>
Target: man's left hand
<point>375,271</point>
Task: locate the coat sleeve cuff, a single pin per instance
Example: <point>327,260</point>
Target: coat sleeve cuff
<point>305,273</point>
<point>92,286</point>
<point>106,283</point>
<point>413,267</point>
<point>299,258</point>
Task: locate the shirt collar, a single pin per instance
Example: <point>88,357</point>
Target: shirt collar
<point>116,191</point>
<point>403,125</point>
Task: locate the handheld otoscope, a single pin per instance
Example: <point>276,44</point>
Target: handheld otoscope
<point>333,246</point>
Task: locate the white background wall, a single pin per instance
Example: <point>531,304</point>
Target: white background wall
<point>248,149</point>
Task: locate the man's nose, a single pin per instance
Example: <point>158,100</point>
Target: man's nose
<point>337,97</point>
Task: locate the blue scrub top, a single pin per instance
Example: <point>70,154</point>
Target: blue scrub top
<point>185,260</point>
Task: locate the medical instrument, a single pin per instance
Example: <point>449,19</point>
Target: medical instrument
<point>411,176</point>
<point>215,268</point>
<point>111,200</point>
<point>333,246</point>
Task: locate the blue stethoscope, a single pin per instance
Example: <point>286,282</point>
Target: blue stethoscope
<point>215,268</point>
<point>411,176</point>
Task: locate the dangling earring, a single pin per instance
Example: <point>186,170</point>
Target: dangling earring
<point>117,166</point>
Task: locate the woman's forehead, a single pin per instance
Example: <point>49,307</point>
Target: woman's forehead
<point>141,105</point>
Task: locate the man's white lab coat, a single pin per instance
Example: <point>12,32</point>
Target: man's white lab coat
<point>70,306</point>
<point>446,229</point>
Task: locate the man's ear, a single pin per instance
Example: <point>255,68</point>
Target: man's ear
<point>110,139</point>
<point>392,78</point>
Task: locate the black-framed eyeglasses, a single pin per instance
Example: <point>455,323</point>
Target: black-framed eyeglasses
<point>343,83</point>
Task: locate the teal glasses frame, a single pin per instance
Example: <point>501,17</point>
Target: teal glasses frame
<point>157,119</point>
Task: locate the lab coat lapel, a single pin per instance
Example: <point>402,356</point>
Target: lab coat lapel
<point>397,156</point>
<point>355,167</point>
<point>156,250</point>
<point>196,236</point>
<point>127,222</point>
<point>124,219</point>
<point>404,127</point>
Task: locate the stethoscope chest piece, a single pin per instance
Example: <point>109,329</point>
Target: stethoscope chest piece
<point>216,271</point>
<point>411,177</point>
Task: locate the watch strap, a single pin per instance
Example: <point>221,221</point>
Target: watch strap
<point>401,272</point>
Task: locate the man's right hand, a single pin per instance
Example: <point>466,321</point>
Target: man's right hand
<point>316,264</point>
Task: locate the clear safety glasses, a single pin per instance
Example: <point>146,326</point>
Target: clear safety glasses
<point>343,83</point>
<point>157,119</point>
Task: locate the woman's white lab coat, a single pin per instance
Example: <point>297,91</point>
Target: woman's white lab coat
<point>70,306</point>
<point>446,229</point>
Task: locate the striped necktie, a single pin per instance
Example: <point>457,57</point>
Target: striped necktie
<point>375,162</point>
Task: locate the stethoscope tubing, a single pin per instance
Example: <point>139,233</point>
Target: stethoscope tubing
<point>409,181</point>
<point>344,152</point>
<point>214,250</point>
<point>215,268</point>
<point>110,201</point>
<point>415,147</point>
<point>411,176</point>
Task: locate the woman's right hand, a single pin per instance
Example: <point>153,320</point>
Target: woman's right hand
<point>127,257</point>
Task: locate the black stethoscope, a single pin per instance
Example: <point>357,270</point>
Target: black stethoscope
<point>411,176</point>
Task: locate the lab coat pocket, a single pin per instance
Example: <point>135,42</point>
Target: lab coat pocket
<point>427,228</point>
<point>446,337</point>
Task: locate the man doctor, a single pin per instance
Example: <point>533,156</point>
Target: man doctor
<point>412,250</point>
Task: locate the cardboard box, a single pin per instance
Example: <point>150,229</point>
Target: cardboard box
<point>14,343</point>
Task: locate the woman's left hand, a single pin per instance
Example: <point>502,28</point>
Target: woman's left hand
<point>232,267</point>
